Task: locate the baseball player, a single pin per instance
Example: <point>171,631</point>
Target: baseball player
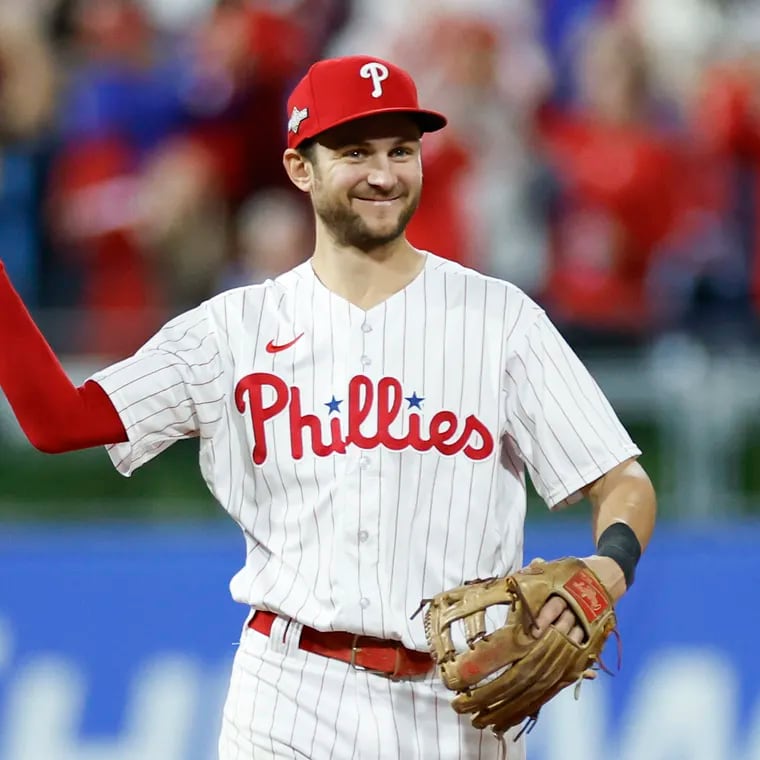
<point>367,419</point>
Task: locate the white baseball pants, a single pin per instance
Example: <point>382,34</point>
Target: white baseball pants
<point>287,703</point>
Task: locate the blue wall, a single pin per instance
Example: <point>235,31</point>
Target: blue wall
<point>116,645</point>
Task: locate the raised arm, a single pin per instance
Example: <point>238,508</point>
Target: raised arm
<point>55,415</point>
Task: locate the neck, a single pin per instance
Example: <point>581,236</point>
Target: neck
<point>366,278</point>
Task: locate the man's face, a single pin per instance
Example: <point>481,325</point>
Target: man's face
<point>367,179</point>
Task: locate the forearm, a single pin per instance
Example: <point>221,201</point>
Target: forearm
<point>55,415</point>
<point>625,494</point>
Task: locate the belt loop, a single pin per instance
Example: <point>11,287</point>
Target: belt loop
<point>285,635</point>
<point>292,636</point>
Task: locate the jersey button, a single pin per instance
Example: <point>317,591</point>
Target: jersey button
<point>366,327</point>
<point>366,361</point>
<point>363,535</point>
<point>363,462</point>
<point>364,602</point>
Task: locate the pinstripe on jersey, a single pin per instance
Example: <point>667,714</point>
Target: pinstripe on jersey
<point>380,457</point>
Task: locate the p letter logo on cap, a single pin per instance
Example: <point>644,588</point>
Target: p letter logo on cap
<point>378,73</point>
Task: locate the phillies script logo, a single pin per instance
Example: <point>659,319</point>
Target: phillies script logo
<point>383,403</point>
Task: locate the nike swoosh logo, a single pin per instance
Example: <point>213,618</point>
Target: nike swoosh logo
<point>273,348</point>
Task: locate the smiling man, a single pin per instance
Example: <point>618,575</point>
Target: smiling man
<point>367,419</point>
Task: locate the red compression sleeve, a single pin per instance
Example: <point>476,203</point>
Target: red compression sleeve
<point>55,415</point>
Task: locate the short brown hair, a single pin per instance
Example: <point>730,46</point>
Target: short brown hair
<point>307,149</point>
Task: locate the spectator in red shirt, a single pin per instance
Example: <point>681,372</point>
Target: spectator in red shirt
<point>619,201</point>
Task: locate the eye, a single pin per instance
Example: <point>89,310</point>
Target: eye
<point>402,151</point>
<point>355,153</point>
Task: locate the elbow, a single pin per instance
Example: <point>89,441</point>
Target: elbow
<point>48,447</point>
<point>47,444</point>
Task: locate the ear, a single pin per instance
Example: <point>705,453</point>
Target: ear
<point>299,169</point>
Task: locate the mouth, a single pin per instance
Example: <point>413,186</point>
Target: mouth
<point>379,201</point>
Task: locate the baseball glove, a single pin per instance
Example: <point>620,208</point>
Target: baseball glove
<point>505,676</point>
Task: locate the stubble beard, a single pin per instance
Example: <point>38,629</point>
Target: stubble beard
<point>350,230</point>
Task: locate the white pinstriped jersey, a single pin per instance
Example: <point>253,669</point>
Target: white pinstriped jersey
<point>371,458</point>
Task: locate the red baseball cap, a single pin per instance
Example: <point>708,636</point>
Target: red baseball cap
<point>337,90</point>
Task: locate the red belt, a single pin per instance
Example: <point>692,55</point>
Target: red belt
<point>382,656</point>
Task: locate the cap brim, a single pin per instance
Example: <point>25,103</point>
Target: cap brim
<point>428,121</point>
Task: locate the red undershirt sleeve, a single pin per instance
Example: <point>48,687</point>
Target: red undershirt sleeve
<point>55,415</point>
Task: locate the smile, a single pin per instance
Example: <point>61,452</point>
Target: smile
<point>379,201</point>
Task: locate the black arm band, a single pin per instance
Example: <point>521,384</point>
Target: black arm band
<point>619,542</point>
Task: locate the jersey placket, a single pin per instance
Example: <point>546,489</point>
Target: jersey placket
<point>363,472</point>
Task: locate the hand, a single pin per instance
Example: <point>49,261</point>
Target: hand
<point>555,611</point>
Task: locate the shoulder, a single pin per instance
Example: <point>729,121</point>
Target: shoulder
<point>503,295</point>
<point>259,295</point>
<point>440,267</point>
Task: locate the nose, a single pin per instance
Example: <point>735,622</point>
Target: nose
<point>381,174</point>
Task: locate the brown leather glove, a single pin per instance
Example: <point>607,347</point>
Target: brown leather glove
<point>505,676</point>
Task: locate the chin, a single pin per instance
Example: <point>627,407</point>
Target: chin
<point>374,236</point>
<point>383,219</point>
<point>384,233</point>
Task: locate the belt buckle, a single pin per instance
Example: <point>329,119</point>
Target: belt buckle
<point>352,662</point>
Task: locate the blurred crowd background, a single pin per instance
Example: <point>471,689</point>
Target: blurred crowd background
<point>603,155</point>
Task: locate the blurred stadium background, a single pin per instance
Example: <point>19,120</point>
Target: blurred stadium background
<point>604,155</point>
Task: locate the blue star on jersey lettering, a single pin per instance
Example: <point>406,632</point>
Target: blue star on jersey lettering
<point>333,404</point>
<point>415,401</point>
